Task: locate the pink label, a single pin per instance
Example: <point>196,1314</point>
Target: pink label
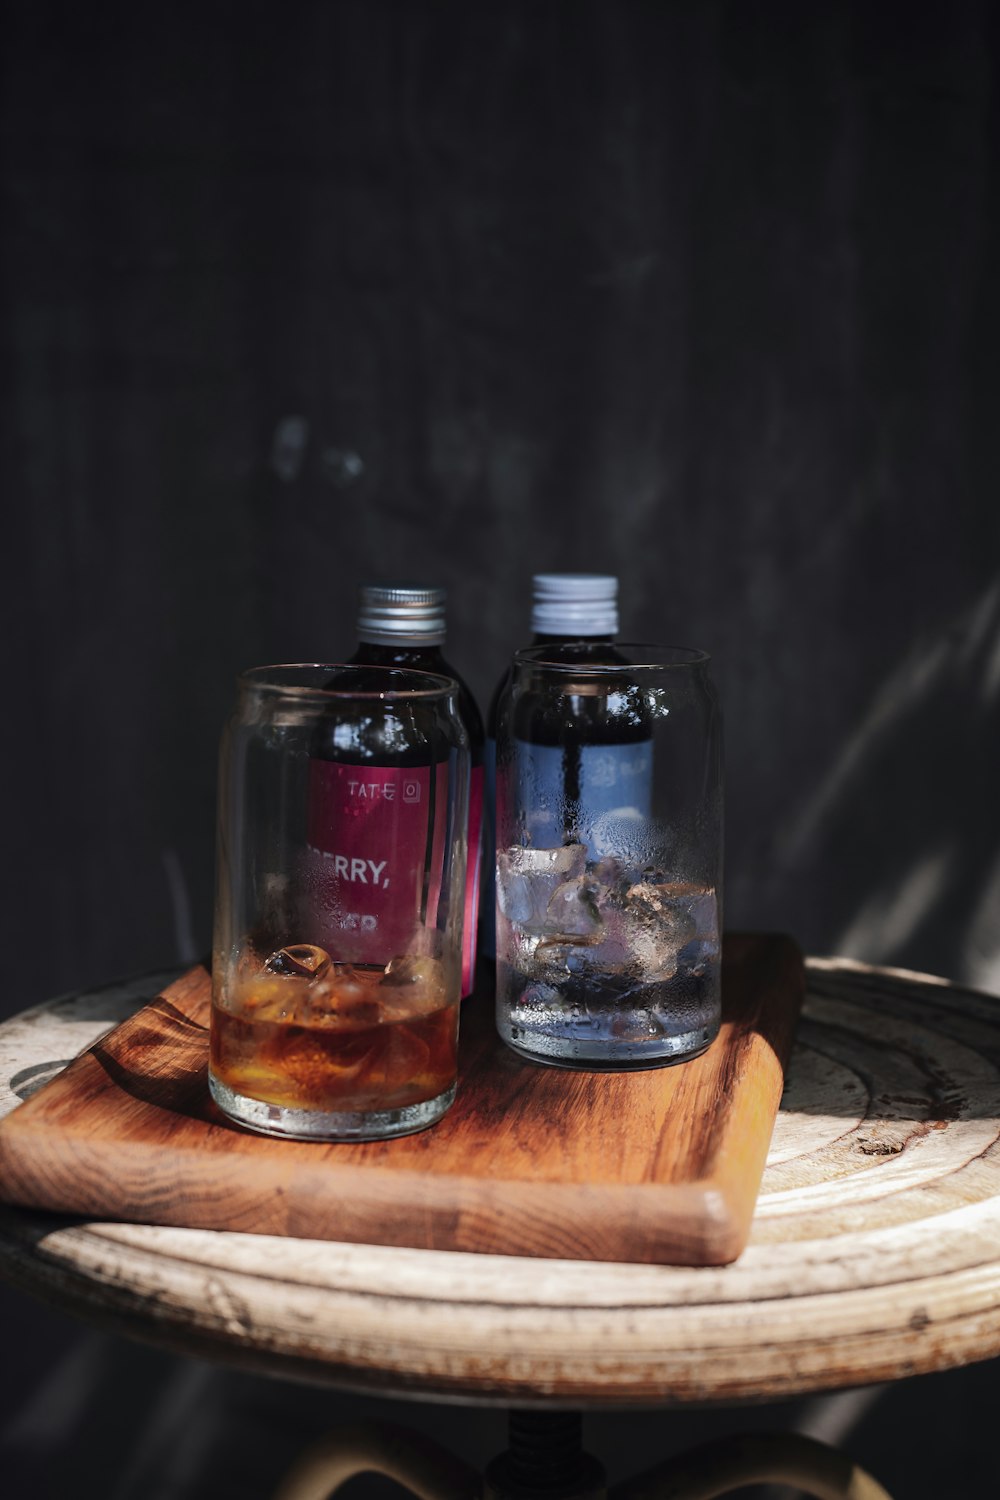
<point>376,846</point>
<point>472,880</point>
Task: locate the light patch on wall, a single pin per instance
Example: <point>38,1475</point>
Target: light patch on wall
<point>982,940</point>
<point>991,681</point>
<point>185,946</point>
<point>56,1407</point>
<point>889,918</point>
<point>969,635</point>
<point>288,447</point>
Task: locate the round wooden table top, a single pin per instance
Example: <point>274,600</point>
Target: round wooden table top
<point>875,1250</point>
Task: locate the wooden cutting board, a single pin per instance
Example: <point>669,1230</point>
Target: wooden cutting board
<point>661,1166</point>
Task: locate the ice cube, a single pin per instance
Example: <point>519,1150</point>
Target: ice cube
<point>572,911</point>
<point>516,947</point>
<point>657,926</point>
<point>528,877</point>
<point>271,999</point>
<point>540,998</point>
<point>303,959</point>
<point>702,948</point>
<point>352,1013</point>
<point>344,999</point>
<point>704,912</point>
<point>609,873</point>
<point>417,980</point>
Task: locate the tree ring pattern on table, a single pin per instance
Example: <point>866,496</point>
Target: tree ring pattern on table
<point>875,1250</point>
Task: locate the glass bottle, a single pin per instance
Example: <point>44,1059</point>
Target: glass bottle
<point>576,614</point>
<point>609,862</point>
<point>403,625</point>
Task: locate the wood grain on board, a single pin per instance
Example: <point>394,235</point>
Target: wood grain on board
<point>658,1166</point>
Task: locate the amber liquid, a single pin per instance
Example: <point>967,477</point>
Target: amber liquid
<point>354,1042</point>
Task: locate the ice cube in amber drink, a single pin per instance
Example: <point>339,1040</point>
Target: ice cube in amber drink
<point>303,1035</point>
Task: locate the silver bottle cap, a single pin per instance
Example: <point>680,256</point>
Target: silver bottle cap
<point>400,612</point>
<point>575,604</point>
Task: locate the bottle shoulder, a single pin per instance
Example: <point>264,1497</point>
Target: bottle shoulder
<point>575,718</point>
<point>468,709</point>
<point>587,649</point>
<point>423,659</point>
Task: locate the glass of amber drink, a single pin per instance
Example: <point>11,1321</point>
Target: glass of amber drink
<point>336,969</point>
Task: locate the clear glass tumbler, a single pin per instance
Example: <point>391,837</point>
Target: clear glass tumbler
<point>340,892</point>
<point>609,858</point>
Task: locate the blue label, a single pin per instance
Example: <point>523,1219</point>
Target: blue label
<point>587,794</point>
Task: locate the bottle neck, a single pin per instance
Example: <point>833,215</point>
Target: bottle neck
<point>399,653</point>
<point>577,640</point>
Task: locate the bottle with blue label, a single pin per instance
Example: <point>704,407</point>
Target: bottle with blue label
<point>608,862</point>
<point>586,773</point>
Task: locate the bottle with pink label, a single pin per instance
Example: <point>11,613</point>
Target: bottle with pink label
<point>340,901</point>
<point>403,625</point>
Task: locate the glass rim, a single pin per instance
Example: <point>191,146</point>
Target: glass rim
<point>658,659</point>
<point>429,686</point>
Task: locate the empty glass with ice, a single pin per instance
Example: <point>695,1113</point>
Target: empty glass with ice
<point>340,892</point>
<point>609,857</point>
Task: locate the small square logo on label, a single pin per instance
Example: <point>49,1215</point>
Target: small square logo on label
<point>411,791</point>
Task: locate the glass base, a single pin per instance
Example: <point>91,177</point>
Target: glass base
<point>604,1056</point>
<point>611,1022</point>
<point>328,1125</point>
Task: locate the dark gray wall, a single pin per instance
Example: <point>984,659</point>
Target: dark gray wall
<point>705,294</point>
